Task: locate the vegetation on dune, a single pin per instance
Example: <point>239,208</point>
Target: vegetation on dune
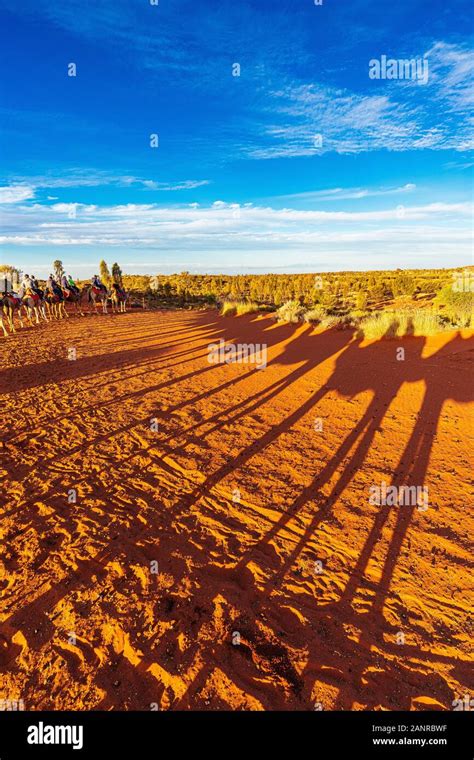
<point>291,311</point>
<point>315,315</point>
<point>457,306</point>
<point>397,323</point>
<point>425,301</point>
<point>238,308</point>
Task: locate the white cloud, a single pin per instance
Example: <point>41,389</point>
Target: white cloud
<point>356,193</point>
<point>431,232</point>
<point>16,193</point>
<point>93,178</point>
<point>398,116</point>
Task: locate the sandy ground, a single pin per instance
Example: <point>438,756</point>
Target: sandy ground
<point>278,585</point>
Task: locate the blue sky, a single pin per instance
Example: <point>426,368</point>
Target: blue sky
<point>301,163</point>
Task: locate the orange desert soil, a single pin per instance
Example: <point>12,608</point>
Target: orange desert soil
<point>278,584</point>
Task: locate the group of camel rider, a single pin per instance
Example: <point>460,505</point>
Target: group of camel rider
<point>97,283</point>
<point>66,284</point>
<point>29,284</point>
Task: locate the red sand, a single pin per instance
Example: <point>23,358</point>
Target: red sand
<point>86,625</point>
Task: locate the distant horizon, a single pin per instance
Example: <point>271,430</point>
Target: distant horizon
<point>235,273</point>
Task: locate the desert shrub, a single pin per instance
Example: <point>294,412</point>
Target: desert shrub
<point>343,322</point>
<point>291,311</point>
<point>403,285</point>
<point>377,291</point>
<point>329,300</point>
<point>397,323</point>
<point>228,308</point>
<point>247,307</point>
<point>456,306</point>
<point>429,286</point>
<point>238,308</point>
<point>315,315</point>
<point>361,299</point>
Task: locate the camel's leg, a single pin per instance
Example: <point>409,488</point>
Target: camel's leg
<point>10,320</point>
<point>5,331</point>
<point>29,311</point>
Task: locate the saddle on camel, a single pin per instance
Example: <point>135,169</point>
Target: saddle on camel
<point>54,293</point>
<point>69,289</point>
<point>34,294</point>
<point>119,289</point>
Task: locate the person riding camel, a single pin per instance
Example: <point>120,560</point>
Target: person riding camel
<point>119,288</point>
<point>35,286</point>
<point>97,283</point>
<point>65,284</point>
<point>53,287</point>
<point>72,285</point>
<point>26,286</point>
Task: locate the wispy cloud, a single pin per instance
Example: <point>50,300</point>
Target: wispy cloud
<point>16,193</point>
<point>93,178</point>
<point>342,194</point>
<point>223,226</point>
<point>314,119</point>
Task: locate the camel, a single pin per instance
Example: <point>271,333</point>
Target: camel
<point>55,305</point>
<point>10,306</point>
<point>94,296</point>
<point>118,298</point>
<point>75,297</point>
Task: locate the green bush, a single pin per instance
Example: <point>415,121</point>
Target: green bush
<point>361,300</point>
<point>228,308</point>
<point>403,285</point>
<point>291,311</point>
<point>456,306</point>
<point>400,322</point>
<point>315,315</point>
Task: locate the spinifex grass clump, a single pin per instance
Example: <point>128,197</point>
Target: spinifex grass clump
<point>457,306</point>
<point>315,315</point>
<point>238,308</point>
<point>291,311</point>
<point>395,324</point>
